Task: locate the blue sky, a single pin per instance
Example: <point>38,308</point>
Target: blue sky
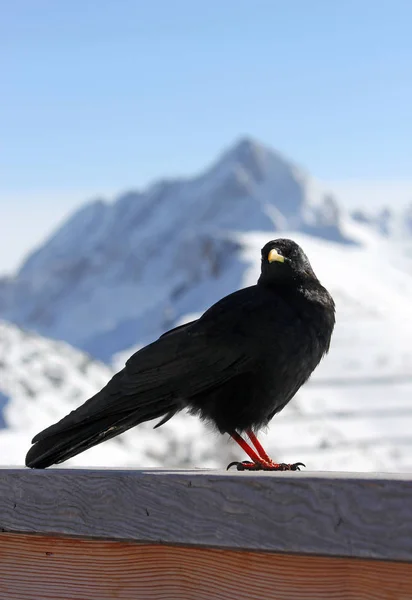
<point>102,95</point>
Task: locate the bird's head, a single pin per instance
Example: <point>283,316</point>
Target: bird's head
<point>283,261</point>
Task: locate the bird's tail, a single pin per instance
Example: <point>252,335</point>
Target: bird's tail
<point>63,441</point>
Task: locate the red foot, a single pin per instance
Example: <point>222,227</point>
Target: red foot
<point>264,465</point>
<point>260,460</point>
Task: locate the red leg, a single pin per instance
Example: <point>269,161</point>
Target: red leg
<point>258,445</point>
<point>260,462</point>
<point>245,446</point>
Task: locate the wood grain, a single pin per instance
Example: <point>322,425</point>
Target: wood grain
<point>36,568</point>
<point>324,514</point>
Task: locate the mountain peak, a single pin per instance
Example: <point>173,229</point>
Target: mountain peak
<point>246,145</point>
<point>254,157</point>
<point>246,151</point>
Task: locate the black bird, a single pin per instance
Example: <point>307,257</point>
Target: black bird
<point>236,366</point>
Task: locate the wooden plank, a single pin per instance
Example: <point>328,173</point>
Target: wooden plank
<point>34,567</point>
<point>328,514</point>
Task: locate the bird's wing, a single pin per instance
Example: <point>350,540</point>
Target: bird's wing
<point>199,355</point>
<point>191,359</point>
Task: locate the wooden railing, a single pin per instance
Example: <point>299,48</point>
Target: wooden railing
<point>159,534</point>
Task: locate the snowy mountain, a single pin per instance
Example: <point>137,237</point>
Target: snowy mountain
<point>389,222</point>
<point>119,273</point>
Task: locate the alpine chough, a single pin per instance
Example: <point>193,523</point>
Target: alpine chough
<point>236,366</point>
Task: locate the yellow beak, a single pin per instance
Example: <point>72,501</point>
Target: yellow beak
<point>275,256</point>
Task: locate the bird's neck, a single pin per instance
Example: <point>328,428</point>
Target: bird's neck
<point>286,284</point>
<point>308,297</point>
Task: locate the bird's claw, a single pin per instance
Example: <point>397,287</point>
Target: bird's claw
<point>244,466</point>
<point>293,466</point>
<point>265,466</point>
